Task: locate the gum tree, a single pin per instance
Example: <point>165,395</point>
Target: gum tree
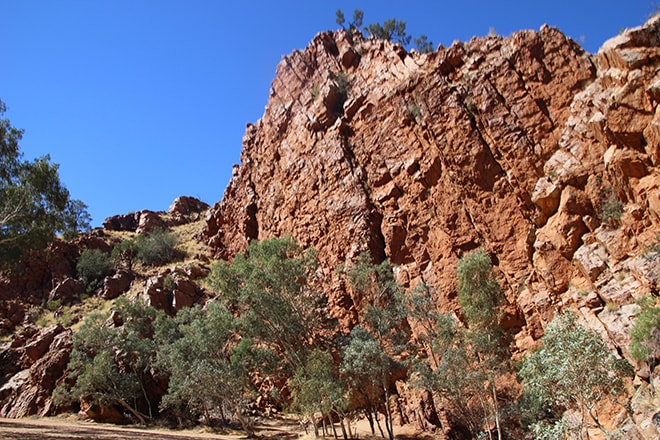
<point>34,204</point>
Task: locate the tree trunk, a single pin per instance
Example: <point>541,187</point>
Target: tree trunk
<point>136,413</point>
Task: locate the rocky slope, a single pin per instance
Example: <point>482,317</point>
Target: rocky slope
<point>543,154</point>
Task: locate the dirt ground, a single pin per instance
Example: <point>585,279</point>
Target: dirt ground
<point>57,428</point>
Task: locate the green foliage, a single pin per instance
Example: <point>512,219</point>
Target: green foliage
<point>612,210</point>
<point>463,364</point>
<point>645,335</point>
<point>271,287</point>
<point>382,335</point>
<point>339,18</point>
<point>317,388</point>
<point>478,290</point>
<point>573,369</point>
<point>652,249</point>
<point>391,30</point>
<point>93,265</point>
<point>204,374</point>
<point>110,365</point>
<point>157,248</point>
<point>53,304</point>
<point>413,112</point>
<point>367,367</point>
<point>355,24</point>
<point>423,44</point>
<point>124,254</point>
<point>34,205</point>
<point>384,312</point>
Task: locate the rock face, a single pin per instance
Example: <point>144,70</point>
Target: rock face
<point>30,373</point>
<point>543,154</point>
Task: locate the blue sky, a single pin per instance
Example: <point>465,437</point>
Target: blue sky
<point>141,101</point>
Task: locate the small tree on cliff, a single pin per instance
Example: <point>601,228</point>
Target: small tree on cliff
<point>645,337</point>
<point>34,205</point>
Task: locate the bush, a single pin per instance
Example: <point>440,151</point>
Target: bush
<point>573,369</point>
<point>159,247</point>
<point>645,335</point>
<point>93,265</point>
<point>413,112</point>
<point>124,254</point>
<point>612,210</point>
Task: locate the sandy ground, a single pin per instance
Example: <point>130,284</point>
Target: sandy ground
<point>56,428</point>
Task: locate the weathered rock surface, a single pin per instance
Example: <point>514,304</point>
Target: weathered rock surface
<point>516,144</point>
<point>115,285</point>
<point>35,370</point>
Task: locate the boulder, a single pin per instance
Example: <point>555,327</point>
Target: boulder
<point>149,220</point>
<point>123,222</point>
<point>117,284</point>
<point>67,291</point>
<point>185,206</point>
<point>40,343</point>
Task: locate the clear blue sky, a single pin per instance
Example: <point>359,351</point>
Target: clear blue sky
<point>141,101</point>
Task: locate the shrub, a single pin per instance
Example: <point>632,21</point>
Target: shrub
<point>93,265</point>
<point>573,369</point>
<point>124,254</point>
<point>645,335</point>
<point>53,304</point>
<point>423,44</point>
<point>612,210</point>
<point>413,112</point>
<point>159,247</point>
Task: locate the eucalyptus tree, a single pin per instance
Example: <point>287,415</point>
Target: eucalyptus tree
<point>34,204</point>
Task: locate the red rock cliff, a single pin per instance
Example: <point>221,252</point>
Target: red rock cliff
<point>515,144</point>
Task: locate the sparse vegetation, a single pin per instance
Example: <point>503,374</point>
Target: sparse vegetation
<point>413,112</point>
<point>124,254</point>
<point>465,361</point>
<point>611,208</point>
<point>159,247</point>
<point>645,335</point>
<point>391,30</point>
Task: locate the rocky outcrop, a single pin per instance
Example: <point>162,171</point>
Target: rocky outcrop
<point>35,369</point>
<point>184,209</point>
<point>115,285</point>
<point>543,154</point>
<point>175,288</point>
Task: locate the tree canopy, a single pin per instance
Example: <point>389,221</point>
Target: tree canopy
<point>34,204</point>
